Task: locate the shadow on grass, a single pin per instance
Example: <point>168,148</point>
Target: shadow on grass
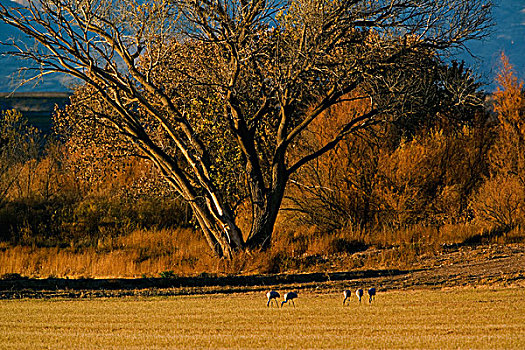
<point>488,237</point>
<point>16,286</point>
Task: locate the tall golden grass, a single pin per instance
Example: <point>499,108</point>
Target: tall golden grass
<point>150,253</point>
<point>139,253</point>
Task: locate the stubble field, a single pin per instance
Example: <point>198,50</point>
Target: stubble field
<point>438,319</point>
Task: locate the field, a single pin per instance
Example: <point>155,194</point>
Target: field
<point>454,318</point>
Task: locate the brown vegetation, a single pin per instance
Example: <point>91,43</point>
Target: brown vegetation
<point>217,96</point>
<point>381,199</point>
<point>501,199</point>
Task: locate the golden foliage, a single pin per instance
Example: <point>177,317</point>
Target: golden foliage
<point>380,177</point>
<point>499,204</point>
<point>509,103</point>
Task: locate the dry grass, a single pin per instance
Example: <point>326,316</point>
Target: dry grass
<point>184,252</point>
<point>140,253</point>
<point>429,319</point>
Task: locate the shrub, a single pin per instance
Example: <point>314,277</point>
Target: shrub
<point>500,203</point>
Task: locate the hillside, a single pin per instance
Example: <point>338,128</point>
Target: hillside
<point>37,107</point>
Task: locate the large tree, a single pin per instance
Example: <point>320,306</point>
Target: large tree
<point>198,86</point>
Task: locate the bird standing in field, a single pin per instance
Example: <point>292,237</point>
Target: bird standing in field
<point>347,293</point>
<point>371,294</point>
<point>290,296</point>
<point>359,294</point>
<point>272,295</point>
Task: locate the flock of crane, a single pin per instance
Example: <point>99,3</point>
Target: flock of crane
<point>290,296</point>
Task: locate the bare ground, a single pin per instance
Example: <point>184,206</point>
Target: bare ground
<point>458,266</point>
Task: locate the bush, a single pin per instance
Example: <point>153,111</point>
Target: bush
<point>500,203</point>
<point>84,222</point>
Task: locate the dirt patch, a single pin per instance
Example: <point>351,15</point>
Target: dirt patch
<point>494,265</point>
<point>457,266</point>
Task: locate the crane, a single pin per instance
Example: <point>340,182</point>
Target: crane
<point>371,294</point>
<point>290,296</point>
<point>273,295</point>
<point>359,294</point>
<point>347,293</point>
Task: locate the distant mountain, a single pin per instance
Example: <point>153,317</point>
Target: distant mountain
<point>37,107</point>
<point>508,35</point>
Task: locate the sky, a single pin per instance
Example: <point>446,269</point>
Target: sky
<point>507,36</point>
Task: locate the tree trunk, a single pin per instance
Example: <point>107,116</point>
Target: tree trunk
<point>222,235</point>
<point>264,217</point>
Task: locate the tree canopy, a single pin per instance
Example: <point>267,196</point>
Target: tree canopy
<point>218,93</point>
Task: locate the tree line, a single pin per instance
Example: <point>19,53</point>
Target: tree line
<point>343,112</point>
<point>79,185</point>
